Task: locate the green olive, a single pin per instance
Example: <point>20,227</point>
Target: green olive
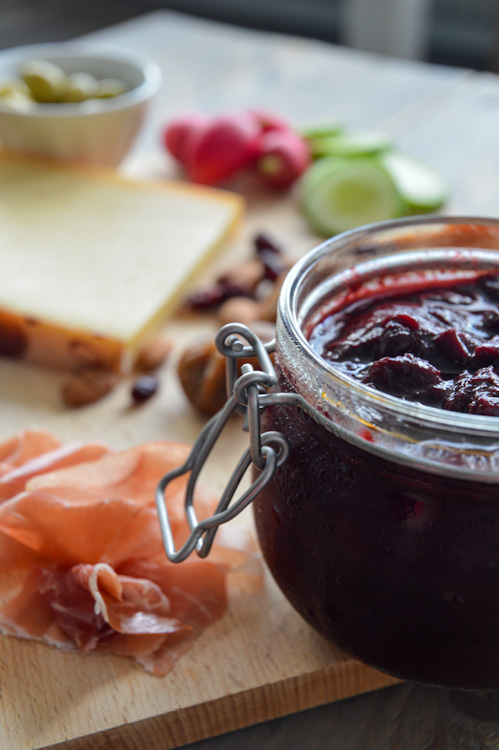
<point>16,100</point>
<point>46,81</point>
<point>110,87</point>
<point>79,87</point>
<point>14,86</point>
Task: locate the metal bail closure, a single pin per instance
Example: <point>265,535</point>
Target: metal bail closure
<point>267,451</point>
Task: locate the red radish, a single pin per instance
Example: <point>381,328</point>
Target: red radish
<point>269,121</point>
<point>221,148</point>
<point>284,156</point>
<point>175,134</point>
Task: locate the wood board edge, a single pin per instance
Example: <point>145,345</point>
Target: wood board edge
<point>229,713</point>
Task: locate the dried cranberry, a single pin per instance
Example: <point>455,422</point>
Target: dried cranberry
<point>143,388</point>
<point>206,299</point>
<point>263,243</point>
<point>272,264</point>
<point>210,299</point>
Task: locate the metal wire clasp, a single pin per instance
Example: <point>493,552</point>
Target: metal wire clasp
<point>267,451</point>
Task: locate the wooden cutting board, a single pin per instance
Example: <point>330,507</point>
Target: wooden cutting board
<point>258,662</point>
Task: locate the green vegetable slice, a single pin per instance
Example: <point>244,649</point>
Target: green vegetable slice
<point>362,143</point>
<point>337,194</point>
<point>321,130</point>
<point>421,186</point>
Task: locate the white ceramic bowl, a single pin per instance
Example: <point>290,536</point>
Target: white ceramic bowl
<point>96,131</point>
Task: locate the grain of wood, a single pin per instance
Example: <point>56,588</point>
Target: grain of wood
<point>232,712</point>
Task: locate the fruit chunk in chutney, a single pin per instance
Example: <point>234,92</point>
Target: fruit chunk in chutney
<point>397,565</point>
<point>438,346</point>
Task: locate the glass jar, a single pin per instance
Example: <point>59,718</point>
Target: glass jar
<point>382,526</point>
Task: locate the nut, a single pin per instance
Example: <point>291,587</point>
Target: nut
<point>238,310</point>
<point>87,386</point>
<point>153,354</point>
<point>201,370</point>
<point>245,276</point>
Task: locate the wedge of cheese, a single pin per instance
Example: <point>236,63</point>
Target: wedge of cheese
<point>92,262</point>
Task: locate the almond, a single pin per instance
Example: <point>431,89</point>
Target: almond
<point>153,354</point>
<point>87,386</point>
<point>238,310</point>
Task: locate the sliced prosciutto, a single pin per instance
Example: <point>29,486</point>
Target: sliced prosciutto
<point>87,569</point>
<point>14,479</point>
<point>21,447</point>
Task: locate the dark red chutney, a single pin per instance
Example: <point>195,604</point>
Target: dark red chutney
<point>397,565</point>
<point>437,346</point>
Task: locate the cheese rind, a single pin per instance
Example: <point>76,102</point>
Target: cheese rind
<point>43,343</point>
<point>93,257</point>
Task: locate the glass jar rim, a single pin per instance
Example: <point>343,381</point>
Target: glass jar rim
<point>470,424</point>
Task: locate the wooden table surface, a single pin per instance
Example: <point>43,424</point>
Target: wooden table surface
<point>450,118</point>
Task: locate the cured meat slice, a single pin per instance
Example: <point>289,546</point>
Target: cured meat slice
<point>98,511</point>
<point>31,453</point>
<point>197,594</point>
<point>14,480</point>
<point>90,570</point>
<point>94,605</point>
<point>29,443</point>
<point>24,611</point>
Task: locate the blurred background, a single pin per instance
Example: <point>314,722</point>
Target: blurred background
<point>464,33</point>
